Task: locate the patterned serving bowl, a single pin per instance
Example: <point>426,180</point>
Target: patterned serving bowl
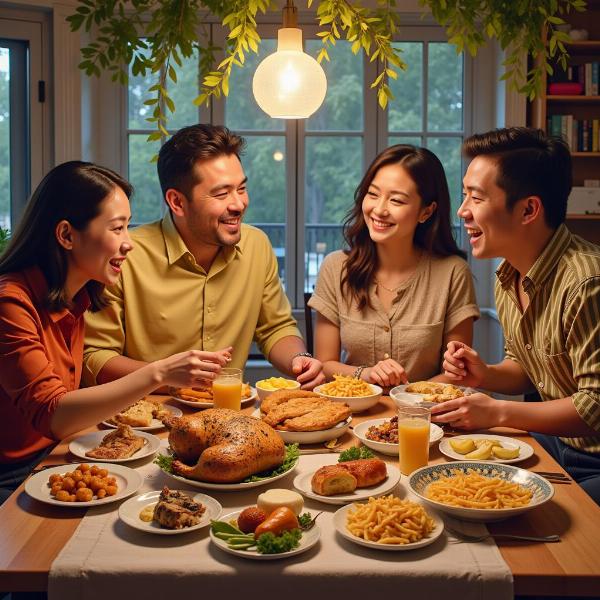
<point>541,489</point>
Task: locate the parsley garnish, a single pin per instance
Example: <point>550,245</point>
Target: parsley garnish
<point>355,453</point>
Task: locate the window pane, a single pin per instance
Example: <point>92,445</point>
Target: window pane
<point>448,151</point>
<point>264,164</point>
<point>329,195</point>
<point>4,139</point>
<point>183,93</point>
<point>406,109</point>
<point>445,91</point>
<point>400,139</point>
<point>241,110</point>
<point>342,109</point>
<point>138,112</point>
<point>147,202</point>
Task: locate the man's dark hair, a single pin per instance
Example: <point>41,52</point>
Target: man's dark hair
<point>178,156</point>
<point>530,163</point>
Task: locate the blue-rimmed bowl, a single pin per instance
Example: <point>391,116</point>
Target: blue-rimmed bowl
<point>541,489</point>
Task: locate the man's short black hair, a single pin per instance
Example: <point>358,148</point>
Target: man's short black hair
<point>530,163</point>
<point>179,154</point>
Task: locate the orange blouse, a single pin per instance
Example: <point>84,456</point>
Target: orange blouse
<point>41,356</point>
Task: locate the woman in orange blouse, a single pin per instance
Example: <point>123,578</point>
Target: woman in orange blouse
<point>70,243</point>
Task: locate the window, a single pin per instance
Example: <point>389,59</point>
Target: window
<point>5,135</point>
<point>428,107</point>
<point>302,174</point>
<point>21,115</point>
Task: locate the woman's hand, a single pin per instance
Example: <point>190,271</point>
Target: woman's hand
<point>193,367</point>
<point>463,365</point>
<point>386,373</point>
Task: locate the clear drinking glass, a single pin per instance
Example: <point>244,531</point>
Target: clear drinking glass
<point>227,389</point>
<point>413,438</point>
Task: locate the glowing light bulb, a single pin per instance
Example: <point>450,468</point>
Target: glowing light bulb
<point>289,84</point>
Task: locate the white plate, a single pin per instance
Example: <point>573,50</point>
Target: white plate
<point>339,522</point>
<point>436,433</point>
<point>79,446</point>
<point>128,482</point>
<point>307,541</point>
<point>129,512</point>
<point>403,398</point>
<point>253,396</point>
<point>311,437</point>
<point>358,403</point>
<point>507,442</point>
<point>228,487</point>
<point>156,424</point>
<point>302,484</point>
<point>541,489</point>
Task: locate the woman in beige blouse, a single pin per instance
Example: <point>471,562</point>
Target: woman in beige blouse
<point>403,290</point>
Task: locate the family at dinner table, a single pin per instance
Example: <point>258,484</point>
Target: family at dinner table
<point>94,316</point>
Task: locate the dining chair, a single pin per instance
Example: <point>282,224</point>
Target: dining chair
<point>308,323</point>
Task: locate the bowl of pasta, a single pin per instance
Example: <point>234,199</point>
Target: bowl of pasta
<point>480,491</point>
<point>356,393</point>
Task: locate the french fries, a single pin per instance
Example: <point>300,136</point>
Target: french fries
<point>344,386</point>
<point>389,520</point>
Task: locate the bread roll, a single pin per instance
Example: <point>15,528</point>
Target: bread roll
<point>368,471</point>
<point>331,480</point>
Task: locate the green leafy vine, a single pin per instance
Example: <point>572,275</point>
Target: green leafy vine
<point>152,36</point>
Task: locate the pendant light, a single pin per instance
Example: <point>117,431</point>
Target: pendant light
<point>289,84</point>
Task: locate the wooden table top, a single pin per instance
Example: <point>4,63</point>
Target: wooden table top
<point>33,533</point>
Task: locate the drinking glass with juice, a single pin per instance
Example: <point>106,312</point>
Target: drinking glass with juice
<point>413,438</point>
<point>227,389</point>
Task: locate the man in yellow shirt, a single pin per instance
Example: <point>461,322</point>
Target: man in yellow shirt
<point>198,278</point>
<point>547,297</point>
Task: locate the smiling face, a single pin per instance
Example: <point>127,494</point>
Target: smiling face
<point>98,251</point>
<point>212,215</point>
<point>392,206</point>
<point>493,230</point>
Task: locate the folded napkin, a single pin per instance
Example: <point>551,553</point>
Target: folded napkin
<point>105,558</point>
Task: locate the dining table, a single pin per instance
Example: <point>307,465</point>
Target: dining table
<point>32,534</point>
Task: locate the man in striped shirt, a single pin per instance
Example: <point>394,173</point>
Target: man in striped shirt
<point>548,301</point>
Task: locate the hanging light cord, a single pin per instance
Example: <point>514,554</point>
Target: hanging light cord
<point>290,15</point>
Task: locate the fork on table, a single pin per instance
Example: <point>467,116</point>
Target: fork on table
<point>466,537</point>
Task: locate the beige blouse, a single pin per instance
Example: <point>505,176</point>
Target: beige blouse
<point>434,300</point>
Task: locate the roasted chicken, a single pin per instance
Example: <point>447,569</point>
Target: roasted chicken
<point>223,446</point>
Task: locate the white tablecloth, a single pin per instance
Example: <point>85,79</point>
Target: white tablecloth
<point>107,559</point>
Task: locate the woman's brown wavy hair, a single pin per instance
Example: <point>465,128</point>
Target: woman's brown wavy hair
<point>434,236</point>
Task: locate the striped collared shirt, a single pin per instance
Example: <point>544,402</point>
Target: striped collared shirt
<point>557,339</point>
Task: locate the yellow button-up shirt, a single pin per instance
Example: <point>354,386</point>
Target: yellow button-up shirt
<point>166,303</point>
<point>557,339</point>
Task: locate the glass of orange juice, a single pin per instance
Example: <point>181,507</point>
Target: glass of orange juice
<point>413,438</point>
<point>227,389</point>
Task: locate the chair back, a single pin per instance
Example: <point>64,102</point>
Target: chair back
<point>308,323</point>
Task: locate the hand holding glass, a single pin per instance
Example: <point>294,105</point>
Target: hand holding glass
<point>227,389</point>
<point>413,438</point>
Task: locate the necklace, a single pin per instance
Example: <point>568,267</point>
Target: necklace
<point>393,290</point>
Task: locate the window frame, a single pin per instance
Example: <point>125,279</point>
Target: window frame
<point>374,133</point>
<point>32,156</point>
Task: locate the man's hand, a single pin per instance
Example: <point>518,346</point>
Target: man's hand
<point>385,373</point>
<point>308,371</point>
<point>463,365</point>
<point>476,411</point>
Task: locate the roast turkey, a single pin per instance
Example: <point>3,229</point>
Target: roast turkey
<point>223,446</point>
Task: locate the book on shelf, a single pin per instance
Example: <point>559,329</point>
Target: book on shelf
<point>582,135</point>
<point>576,80</point>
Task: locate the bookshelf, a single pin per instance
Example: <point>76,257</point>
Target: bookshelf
<point>569,115</point>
